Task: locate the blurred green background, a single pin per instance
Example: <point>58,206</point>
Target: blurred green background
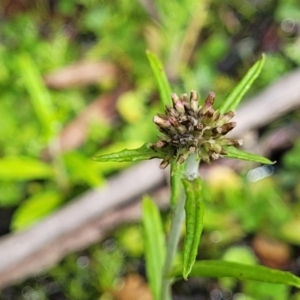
<point>75,81</point>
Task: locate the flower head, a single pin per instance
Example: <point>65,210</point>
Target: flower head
<point>189,128</point>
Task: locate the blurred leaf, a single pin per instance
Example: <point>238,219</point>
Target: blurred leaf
<point>291,158</point>
<point>129,238</point>
<point>39,95</point>
<point>82,169</point>
<point>287,10</point>
<point>232,152</point>
<point>194,211</point>
<point>34,208</point>
<point>290,232</point>
<point>112,166</point>
<point>142,153</point>
<point>240,254</point>
<point>233,99</point>
<point>154,246</point>
<point>24,168</point>
<point>131,107</point>
<point>266,290</point>
<point>219,269</point>
<point>109,266</point>
<point>161,78</point>
<point>11,193</point>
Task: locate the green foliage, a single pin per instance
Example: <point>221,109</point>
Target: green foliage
<point>218,269</point>
<point>35,208</point>
<point>142,153</point>
<point>233,152</point>
<point>82,169</point>
<point>24,168</point>
<point>39,95</point>
<point>154,246</point>
<point>194,213</point>
<point>35,182</point>
<point>161,78</point>
<point>233,99</point>
<point>194,206</point>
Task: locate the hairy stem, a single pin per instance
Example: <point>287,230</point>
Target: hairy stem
<point>190,173</point>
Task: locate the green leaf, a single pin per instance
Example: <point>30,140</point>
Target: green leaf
<point>24,168</point>
<point>233,152</point>
<point>219,269</point>
<point>82,169</point>
<point>34,208</point>
<point>39,95</point>
<point>194,210</point>
<point>154,246</point>
<point>233,99</point>
<point>142,153</point>
<point>161,78</point>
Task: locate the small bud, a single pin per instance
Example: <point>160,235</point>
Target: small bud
<point>214,156</point>
<point>161,122</point>
<point>182,119</point>
<point>160,144</point>
<point>239,142</point>
<point>175,98</point>
<point>194,101</point>
<point>228,116</point>
<point>231,142</point>
<point>162,116</point>
<point>216,116</point>
<point>199,126</point>
<point>210,113</point>
<point>164,164</point>
<point>166,139</point>
<point>208,103</point>
<point>193,121</point>
<point>205,157</point>
<point>182,158</point>
<point>192,149</point>
<point>182,129</point>
<point>173,121</point>
<point>217,130</point>
<point>172,111</point>
<point>210,99</point>
<point>208,116</point>
<point>227,127</point>
<point>177,104</point>
<point>216,147</point>
<point>175,142</point>
<point>184,98</point>
<point>187,109</point>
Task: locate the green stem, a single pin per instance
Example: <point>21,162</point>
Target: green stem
<point>172,243</point>
<point>190,173</point>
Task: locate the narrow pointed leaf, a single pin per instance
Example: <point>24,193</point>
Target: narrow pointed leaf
<point>24,168</point>
<point>161,78</point>
<point>35,208</point>
<point>39,95</point>
<point>219,269</point>
<point>142,153</point>
<point>233,152</point>
<point>154,246</point>
<point>233,99</point>
<point>194,210</point>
